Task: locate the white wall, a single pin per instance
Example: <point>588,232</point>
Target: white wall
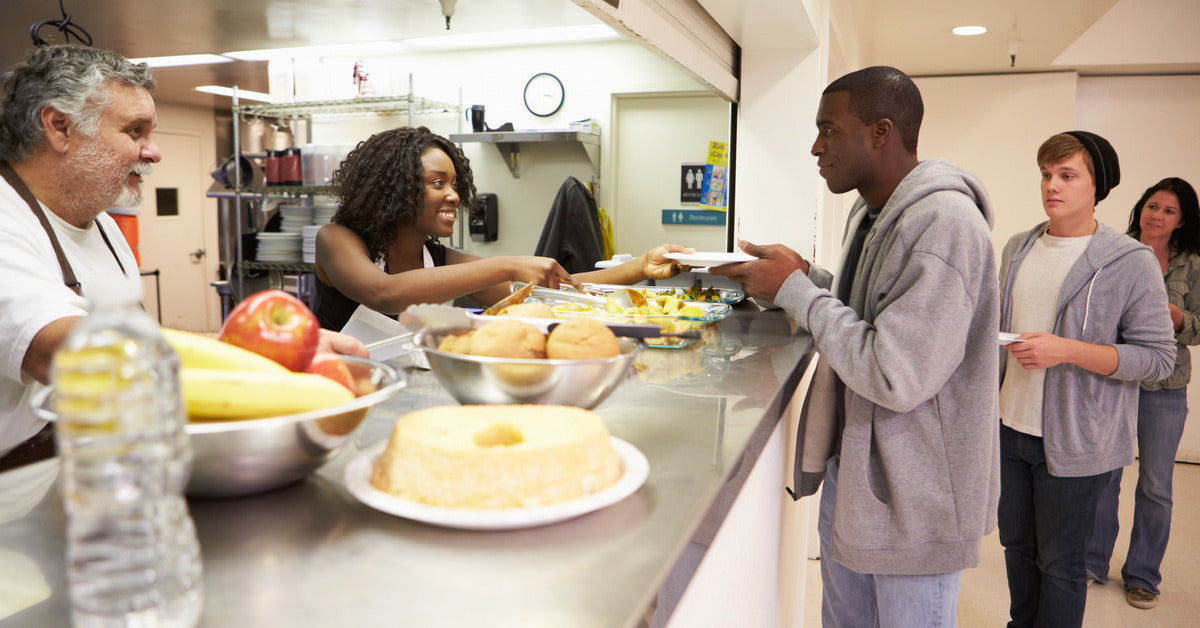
<point>591,73</point>
<point>1152,123</point>
<point>992,126</point>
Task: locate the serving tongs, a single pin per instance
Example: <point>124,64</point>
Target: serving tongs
<point>625,298</point>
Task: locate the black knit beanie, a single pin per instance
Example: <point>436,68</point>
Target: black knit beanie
<point>1104,161</point>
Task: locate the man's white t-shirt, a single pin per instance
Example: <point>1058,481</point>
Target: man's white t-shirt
<point>32,294</point>
<point>1034,308</point>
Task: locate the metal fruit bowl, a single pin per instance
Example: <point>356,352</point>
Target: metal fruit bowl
<point>473,379</point>
<point>231,458</point>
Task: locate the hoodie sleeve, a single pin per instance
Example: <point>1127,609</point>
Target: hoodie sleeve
<point>926,307</point>
<point>1146,345</point>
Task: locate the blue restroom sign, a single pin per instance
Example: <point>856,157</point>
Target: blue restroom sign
<point>711,217</point>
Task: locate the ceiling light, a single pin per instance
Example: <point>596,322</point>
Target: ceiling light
<point>243,94</point>
<point>523,37</point>
<point>968,31</point>
<point>174,60</point>
<point>356,49</point>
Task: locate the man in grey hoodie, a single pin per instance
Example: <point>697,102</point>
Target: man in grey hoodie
<point>1091,308</point>
<point>910,332</point>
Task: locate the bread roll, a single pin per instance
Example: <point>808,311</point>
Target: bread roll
<point>581,338</point>
<point>508,339</point>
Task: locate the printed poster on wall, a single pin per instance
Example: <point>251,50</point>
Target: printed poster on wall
<point>713,192</point>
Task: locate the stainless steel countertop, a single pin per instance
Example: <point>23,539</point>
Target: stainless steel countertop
<point>312,555</point>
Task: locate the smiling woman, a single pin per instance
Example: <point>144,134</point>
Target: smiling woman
<point>401,190</point>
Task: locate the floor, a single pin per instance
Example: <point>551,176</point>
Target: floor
<point>984,598</point>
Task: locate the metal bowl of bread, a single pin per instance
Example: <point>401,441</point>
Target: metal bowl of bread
<point>578,363</point>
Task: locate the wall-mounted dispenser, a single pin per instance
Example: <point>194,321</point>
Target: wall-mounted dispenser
<point>485,220</point>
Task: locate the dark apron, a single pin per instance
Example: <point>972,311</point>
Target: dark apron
<point>41,445</point>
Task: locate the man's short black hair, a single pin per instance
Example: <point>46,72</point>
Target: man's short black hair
<point>881,92</point>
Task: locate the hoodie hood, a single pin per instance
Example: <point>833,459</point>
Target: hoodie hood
<point>931,176</point>
<point>1108,244</point>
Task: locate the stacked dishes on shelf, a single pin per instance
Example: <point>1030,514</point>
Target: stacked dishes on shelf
<point>308,243</point>
<point>295,217</point>
<point>278,247</point>
<point>323,213</point>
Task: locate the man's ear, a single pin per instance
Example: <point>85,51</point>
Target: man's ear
<point>57,128</point>
<point>882,131</point>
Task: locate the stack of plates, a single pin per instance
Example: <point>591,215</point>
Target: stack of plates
<point>323,213</point>
<point>295,217</point>
<point>308,243</point>
<point>278,247</point>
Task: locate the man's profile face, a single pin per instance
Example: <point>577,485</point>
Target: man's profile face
<point>1068,189</point>
<point>842,144</point>
<point>108,168</point>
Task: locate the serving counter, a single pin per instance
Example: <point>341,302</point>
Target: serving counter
<point>311,554</point>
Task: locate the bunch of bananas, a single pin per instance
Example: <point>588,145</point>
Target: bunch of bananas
<point>222,382</point>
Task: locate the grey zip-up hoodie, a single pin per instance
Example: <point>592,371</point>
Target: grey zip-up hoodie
<point>1113,295</point>
<point>919,479</point>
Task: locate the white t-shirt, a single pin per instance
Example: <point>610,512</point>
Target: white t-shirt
<point>1034,306</point>
<point>32,294</point>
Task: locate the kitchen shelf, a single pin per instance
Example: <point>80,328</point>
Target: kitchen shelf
<point>287,268</point>
<point>407,104</point>
<point>355,106</point>
<point>509,143</point>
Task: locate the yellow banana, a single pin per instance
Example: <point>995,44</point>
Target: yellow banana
<point>222,394</point>
<point>199,351</point>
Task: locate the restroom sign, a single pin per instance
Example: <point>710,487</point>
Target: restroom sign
<point>691,180</point>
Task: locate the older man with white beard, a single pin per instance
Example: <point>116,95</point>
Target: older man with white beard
<point>75,140</point>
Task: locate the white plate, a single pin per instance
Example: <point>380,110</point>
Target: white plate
<point>712,258</point>
<point>358,482</point>
<point>1007,338</point>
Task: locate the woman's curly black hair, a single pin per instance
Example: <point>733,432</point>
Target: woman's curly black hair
<point>381,184</point>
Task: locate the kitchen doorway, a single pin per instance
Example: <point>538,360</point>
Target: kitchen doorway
<point>654,134</point>
<point>172,236</point>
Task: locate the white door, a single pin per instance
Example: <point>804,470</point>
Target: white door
<point>654,136</point>
<point>172,236</point>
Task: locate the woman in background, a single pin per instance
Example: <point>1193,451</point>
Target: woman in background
<point>1167,218</point>
<point>399,191</point>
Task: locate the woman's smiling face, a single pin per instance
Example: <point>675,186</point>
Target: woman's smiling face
<point>441,200</point>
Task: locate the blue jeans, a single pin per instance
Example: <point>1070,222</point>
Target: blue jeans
<point>1045,523</point>
<point>1161,414</point>
<point>851,600</point>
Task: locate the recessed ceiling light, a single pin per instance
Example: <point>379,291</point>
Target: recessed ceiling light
<point>243,94</point>
<point>175,60</point>
<point>967,31</point>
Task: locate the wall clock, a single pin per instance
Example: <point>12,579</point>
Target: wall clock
<point>544,94</point>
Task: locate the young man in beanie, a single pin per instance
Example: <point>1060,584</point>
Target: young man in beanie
<point>1091,310</point>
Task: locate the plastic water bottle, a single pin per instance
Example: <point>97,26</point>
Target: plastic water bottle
<point>132,554</point>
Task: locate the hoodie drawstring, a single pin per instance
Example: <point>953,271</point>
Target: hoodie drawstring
<point>1087,304</point>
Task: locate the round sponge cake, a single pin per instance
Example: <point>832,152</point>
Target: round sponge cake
<point>497,456</point>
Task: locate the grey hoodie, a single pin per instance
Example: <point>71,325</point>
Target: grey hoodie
<point>1113,295</point>
<point>918,481</point>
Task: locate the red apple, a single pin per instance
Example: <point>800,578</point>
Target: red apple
<point>331,366</point>
<point>274,324</point>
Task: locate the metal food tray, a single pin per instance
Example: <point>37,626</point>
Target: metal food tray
<point>731,296</point>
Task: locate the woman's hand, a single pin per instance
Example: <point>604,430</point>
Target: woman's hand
<point>542,271</point>
<point>655,266</point>
<point>336,342</point>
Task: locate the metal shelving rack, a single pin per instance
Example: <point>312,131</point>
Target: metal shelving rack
<point>383,105</point>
